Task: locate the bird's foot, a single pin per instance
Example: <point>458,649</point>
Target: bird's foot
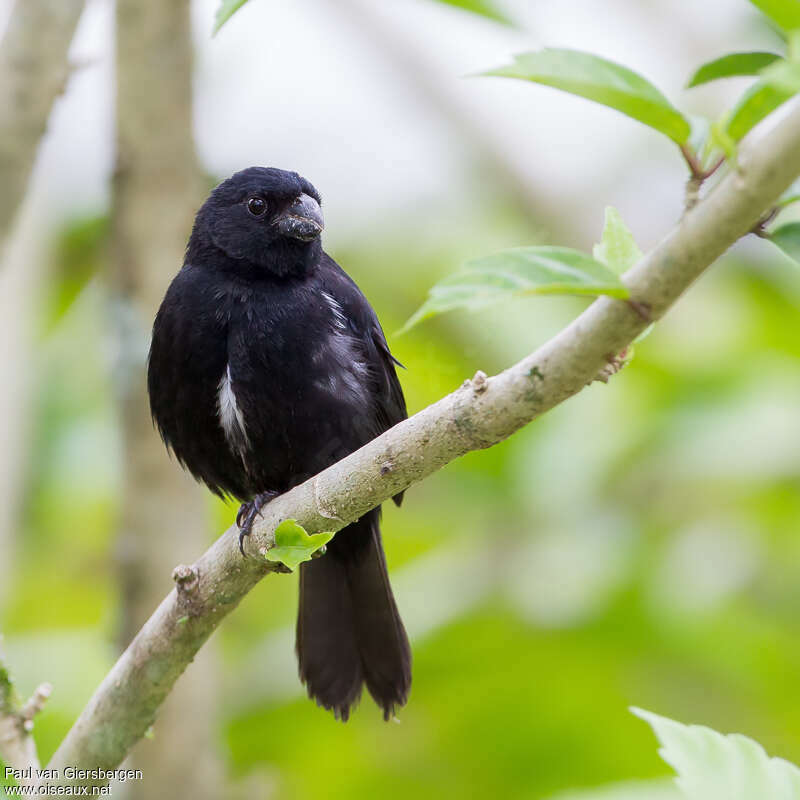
<point>248,512</point>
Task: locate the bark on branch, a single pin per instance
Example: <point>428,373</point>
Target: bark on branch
<point>33,72</point>
<point>479,414</point>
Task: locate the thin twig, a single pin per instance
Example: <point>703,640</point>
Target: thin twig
<point>712,169</point>
<point>698,175</point>
<point>695,167</point>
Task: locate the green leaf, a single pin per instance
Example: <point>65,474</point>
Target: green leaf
<point>227,8</point>
<point>760,100</point>
<point>785,13</point>
<point>617,248</point>
<point>518,272</point>
<point>722,140</point>
<point>732,65</point>
<point>701,141</point>
<point>483,7</point>
<point>293,545</point>
<point>712,766</point>
<point>603,82</point>
<point>787,238</point>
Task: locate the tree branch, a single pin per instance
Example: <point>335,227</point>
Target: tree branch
<point>17,747</point>
<point>33,72</point>
<point>479,414</point>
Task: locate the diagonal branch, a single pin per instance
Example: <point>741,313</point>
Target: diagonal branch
<point>479,414</point>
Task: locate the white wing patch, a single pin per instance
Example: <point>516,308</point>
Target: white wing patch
<point>339,352</point>
<point>339,319</point>
<point>230,415</point>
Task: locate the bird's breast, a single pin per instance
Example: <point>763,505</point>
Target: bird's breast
<point>295,394</point>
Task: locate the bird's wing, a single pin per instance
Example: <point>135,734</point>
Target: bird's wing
<point>389,403</point>
<point>187,359</point>
<point>365,328</point>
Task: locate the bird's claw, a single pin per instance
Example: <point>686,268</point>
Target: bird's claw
<point>247,513</point>
<point>240,514</point>
<point>242,534</point>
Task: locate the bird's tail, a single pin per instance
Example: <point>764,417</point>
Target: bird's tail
<point>349,631</point>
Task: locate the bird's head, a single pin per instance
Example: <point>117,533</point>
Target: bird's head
<point>267,220</point>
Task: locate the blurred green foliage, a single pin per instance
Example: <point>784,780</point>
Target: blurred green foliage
<point>81,252</point>
<point>648,532</point>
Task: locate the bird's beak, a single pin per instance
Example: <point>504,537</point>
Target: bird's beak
<point>302,220</point>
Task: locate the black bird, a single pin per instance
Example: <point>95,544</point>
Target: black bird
<point>268,364</point>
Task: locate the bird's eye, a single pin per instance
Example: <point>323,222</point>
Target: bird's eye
<point>257,206</point>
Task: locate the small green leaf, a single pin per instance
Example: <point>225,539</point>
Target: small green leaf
<point>701,142</point>
<point>760,100</point>
<point>603,82</point>
<point>712,766</point>
<point>293,545</point>
<point>732,65</point>
<point>787,238</point>
<point>617,248</point>
<point>722,140</point>
<point>518,272</point>
<point>483,7</point>
<point>785,13</point>
<point>227,8</point>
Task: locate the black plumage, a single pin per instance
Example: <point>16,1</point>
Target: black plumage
<point>267,365</point>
